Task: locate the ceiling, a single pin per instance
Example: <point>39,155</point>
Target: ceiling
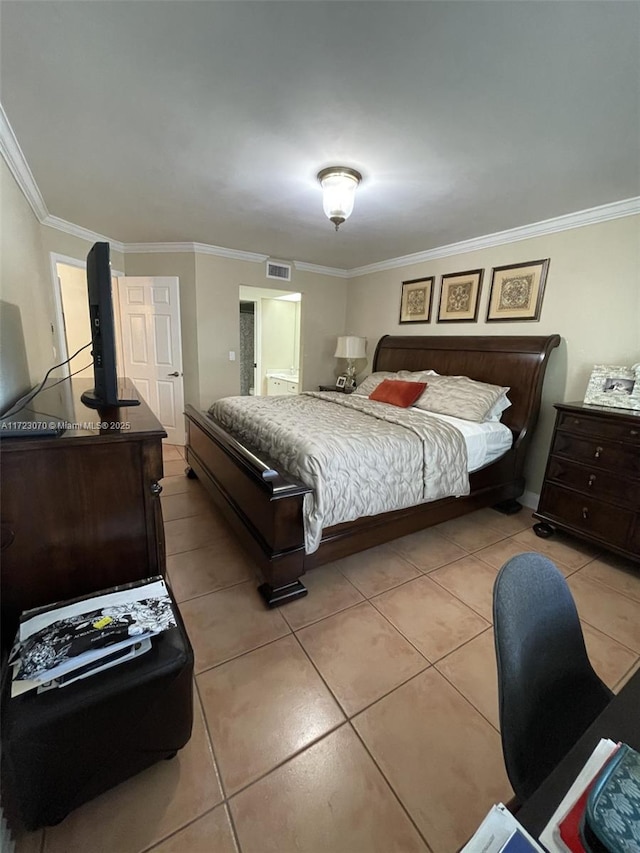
<point>171,120</point>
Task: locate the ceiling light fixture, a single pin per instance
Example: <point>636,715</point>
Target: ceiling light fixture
<point>338,192</point>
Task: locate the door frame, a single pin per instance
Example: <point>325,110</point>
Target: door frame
<point>62,353</point>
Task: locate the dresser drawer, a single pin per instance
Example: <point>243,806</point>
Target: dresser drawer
<point>599,427</point>
<point>594,483</point>
<point>619,458</point>
<point>586,514</point>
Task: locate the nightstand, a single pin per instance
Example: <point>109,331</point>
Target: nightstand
<point>333,388</point>
<point>592,483</point>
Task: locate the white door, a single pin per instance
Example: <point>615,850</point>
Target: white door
<point>152,346</point>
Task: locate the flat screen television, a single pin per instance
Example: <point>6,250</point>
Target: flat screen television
<point>109,390</point>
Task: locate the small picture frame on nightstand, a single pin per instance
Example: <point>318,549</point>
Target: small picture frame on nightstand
<point>614,386</point>
<point>341,382</point>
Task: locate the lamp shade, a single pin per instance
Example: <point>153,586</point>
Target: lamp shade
<point>338,192</point>
<point>351,346</point>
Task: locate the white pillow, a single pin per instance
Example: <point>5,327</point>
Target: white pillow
<point>495,412</point>
<point>460,397</point>
<point>371,382</point>
<point>415,375</point>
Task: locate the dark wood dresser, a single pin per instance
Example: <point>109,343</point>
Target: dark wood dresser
<point>79,511</point>
<point>592,482</point>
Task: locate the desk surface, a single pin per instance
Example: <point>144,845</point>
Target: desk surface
<point>619,721</point>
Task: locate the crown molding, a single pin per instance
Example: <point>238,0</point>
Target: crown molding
<point>199,248</point>
<point>15,160</point>
<point>235,254</point>
<point>591,216</point>
<point>82,233</point>
<point>333,271</point>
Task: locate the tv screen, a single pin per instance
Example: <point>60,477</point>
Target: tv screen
<point>108,391</point>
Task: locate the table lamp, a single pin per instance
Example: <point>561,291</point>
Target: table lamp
<point>351,347</point>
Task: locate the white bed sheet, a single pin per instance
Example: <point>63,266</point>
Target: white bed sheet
<point>485,442</point>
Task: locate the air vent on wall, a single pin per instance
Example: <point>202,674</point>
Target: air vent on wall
<point>276,269</point>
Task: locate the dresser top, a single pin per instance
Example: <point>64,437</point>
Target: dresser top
<point>606,411</point>
<point>60,403</point>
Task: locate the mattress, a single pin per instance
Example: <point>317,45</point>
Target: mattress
<point>485,442</point>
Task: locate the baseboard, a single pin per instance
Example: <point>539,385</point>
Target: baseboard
<point>530,500</point>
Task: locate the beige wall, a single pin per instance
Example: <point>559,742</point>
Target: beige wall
<point>592,299</point>
<point>278,334</point>
<point>25,278</point>
<point>217,287</point>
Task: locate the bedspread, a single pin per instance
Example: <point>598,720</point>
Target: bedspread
<point>360,457</point>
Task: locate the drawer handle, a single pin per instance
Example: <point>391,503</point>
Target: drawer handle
<point>592,479</point>
<point>598,452</point>
<point>585,512</point>
<point>633,432</point>
<point>576,421</point>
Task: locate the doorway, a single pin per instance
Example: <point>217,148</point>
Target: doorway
<point>269,340</point>
<point>73,327</point>
<point>248,365</point>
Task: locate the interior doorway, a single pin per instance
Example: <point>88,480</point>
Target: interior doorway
<point>73,327</point>
<point>270,342</point>
<point>248,364</point>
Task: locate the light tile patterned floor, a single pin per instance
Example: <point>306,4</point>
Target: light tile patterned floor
<point>360,719</point>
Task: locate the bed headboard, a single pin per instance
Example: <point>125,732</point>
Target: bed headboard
<point>519,362</point>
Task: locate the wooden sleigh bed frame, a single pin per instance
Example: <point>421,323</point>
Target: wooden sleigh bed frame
<point>264,505</point>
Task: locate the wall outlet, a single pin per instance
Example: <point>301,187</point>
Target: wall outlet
<point>232,355</point>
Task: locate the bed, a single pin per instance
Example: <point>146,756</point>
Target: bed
<point>265,504</point>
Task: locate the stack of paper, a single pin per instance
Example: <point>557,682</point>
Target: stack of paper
<point>500,832</point>
<point>56,646</point>
<point>561,834</point>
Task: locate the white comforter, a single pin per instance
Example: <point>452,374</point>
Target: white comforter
<point>360,457</point>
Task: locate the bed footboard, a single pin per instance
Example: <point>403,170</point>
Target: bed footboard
<point>261,504</point>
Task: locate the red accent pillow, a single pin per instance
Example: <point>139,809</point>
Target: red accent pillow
<point>398,392</point>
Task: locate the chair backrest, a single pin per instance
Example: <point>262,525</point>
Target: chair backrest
<point>548,691</point>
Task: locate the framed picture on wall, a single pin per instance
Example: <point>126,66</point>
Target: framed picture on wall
<point>614,385</point>
<point>460,297</point>
<point>516,291</point>
<point>415,303</point>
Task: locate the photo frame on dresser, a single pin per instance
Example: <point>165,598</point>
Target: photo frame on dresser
<point>615,386</point>
<point>460,297</point>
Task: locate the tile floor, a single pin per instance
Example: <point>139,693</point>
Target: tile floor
<point>361,719</point>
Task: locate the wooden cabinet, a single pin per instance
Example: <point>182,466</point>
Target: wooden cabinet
<point>81,511</point>
<point>592,482</point>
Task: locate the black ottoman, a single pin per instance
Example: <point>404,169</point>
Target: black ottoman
<point>66,746</point>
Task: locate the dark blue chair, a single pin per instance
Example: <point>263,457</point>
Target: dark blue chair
<point>548,691</point>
